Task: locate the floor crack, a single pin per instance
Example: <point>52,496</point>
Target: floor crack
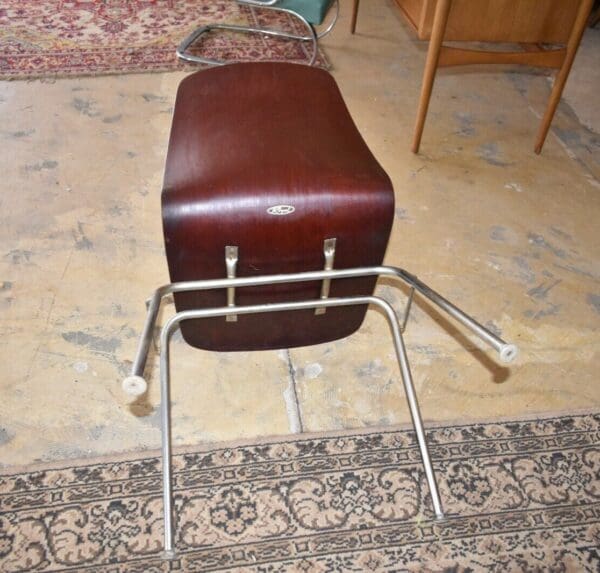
<point>294,396</point>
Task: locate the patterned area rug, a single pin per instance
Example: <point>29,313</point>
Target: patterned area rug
<point>45,38</point>
<point>520,496</point>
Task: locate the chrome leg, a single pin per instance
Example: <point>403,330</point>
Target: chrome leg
<point>413,406</point>
<point>325,28</point>
<point>165,410</point>
<point>328,29</point>
<point>407,309</point>
<point>175,320</point>
<point>135,383</point>
<point>507,352</point>
<point>315,46</point>
<point>312,37</point>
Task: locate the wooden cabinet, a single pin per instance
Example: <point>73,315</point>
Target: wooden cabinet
<point>519,21</point>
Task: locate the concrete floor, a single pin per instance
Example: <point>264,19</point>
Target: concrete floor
<point>510,236</point>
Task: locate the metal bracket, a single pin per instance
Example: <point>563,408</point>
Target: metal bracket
<point>329,252</point>
<point>231,260</point>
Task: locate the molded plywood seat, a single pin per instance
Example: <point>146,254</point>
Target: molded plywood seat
<point>265,157</point>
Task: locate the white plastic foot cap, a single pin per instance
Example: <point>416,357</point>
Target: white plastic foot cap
<point>169,555</point>
<point>509,353</point>
<point>134,385</point>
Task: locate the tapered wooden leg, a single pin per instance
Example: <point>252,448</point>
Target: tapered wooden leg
<point>561,77</point>
<point>354,16</point>
<point>440,20</point>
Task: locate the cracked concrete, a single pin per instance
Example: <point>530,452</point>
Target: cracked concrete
<point>510,236</point>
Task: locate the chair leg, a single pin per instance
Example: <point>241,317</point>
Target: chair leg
<point>312,33</point>
<point>440,20</point>
<point>508,353</point>
<point>332,22</point>
<point>312,36</point>
<point>182,49</point>
<point>169,551</point>
<point>354,16</point>
<point>561,77</point>
<point>413,407</point>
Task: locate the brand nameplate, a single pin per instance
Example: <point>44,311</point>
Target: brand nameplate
<point>281,210</point>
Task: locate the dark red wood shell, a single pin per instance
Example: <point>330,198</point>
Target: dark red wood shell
<point>247,137</point>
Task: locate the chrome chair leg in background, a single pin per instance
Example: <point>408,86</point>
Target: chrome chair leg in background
<point>311,36</point>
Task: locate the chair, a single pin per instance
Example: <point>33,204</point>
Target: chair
<point>269,217</point>
<point>311,13</point>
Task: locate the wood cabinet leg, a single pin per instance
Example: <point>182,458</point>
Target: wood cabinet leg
<point>354,16</point>
<point>440,20</point>
<point>563,73</point>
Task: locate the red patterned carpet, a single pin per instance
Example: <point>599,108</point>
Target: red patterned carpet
<point>45,38</point>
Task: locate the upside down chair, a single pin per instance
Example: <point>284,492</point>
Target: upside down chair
<point>310,13</point>
<point>276,217</point>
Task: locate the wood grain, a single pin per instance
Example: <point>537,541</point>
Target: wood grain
<point>246,137</point>
<point>531,21</point>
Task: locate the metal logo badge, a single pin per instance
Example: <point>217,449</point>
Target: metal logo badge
<point>281,210</point>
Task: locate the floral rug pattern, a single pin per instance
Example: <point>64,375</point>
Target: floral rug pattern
<point>518,496</point>
<point>46,38</point>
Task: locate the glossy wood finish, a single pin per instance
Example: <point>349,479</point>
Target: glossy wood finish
<point>583,13</point>
<point>531,21</point>
<point>246,137</point>
<point>540,57</point>
<point>431,65</point>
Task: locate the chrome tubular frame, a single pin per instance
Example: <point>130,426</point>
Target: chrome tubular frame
<point>313,36</point>
<point>136,385</point>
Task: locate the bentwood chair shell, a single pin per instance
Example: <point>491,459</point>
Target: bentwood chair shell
<point>310,13</point>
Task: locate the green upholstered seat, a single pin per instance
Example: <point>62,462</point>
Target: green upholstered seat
<point>313,11</point>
